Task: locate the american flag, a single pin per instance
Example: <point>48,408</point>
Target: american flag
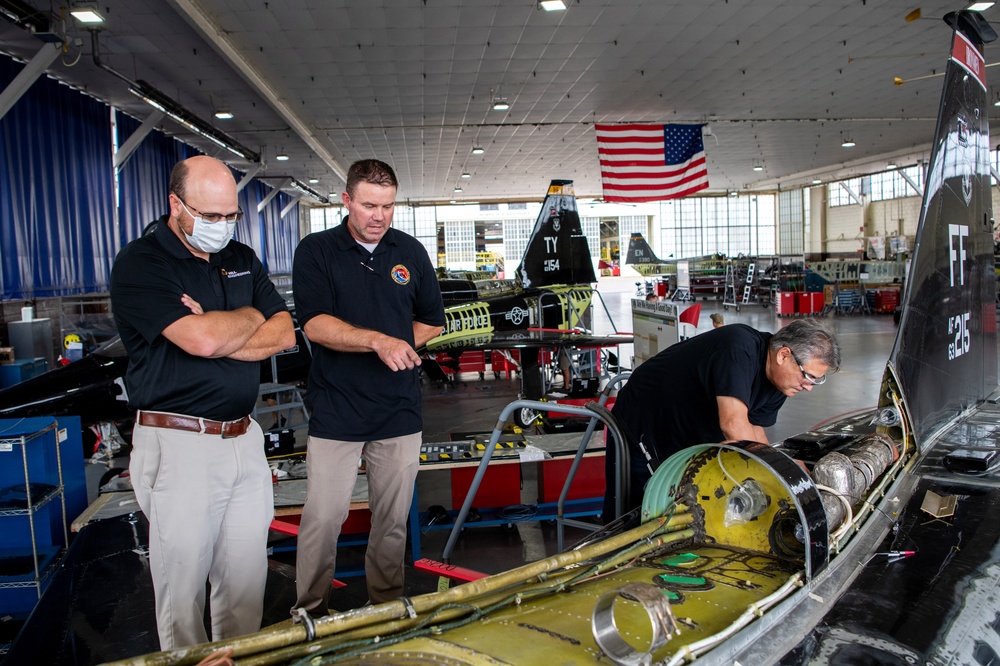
<point>651,162</point>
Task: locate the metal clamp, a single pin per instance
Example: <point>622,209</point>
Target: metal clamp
<point>300,616</point>
<point>661,619</point>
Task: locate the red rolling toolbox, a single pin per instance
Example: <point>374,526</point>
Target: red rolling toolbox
<point>470,361</point>
<point>785,304</point>
<point>809,302</point>
<point>501,362</point>
<point>886,300</point>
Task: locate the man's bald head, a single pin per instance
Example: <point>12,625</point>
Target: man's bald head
<point>200,169</point>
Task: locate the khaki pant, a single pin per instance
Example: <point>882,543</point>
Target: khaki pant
<point>209,503</point>
<point>332,466</point>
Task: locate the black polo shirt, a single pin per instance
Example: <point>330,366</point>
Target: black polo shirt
<point>670,400</point>
<point>147,281</point>
<point>355,396</point>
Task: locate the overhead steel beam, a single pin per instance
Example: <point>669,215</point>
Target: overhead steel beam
<point>126,149</point>
<point>273,193</point>
<point>221,41</point>
<point>251,172</point>
<point>27,76</point>
<point>291,204</point>
<point>909,181</point>
<point>851,193</point>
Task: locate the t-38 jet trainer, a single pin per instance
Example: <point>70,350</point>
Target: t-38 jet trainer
<point>872,540</point>
<point>546,306</point>
<point>642,258</point>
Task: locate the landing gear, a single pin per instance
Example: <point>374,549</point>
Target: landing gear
<point>525,417</point>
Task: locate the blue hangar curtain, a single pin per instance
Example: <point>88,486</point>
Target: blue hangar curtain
<point>56,204</point>
<point>144,183</point>
<point>144,180</point>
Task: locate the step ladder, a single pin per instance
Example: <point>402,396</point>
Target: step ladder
<point>748,284</point>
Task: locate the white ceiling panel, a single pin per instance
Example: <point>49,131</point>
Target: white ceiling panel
<point>780,82</point>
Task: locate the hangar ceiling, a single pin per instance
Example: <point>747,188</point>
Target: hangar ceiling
<point>780,83</point>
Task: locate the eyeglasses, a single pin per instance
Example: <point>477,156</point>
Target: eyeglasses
<point>809,378</point>
<point>213,217</point>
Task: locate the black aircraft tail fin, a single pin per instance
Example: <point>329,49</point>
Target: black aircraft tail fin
<point>945,354</point>
<point>639,251</point>
<point>557,251</point>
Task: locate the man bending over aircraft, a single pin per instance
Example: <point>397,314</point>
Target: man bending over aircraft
<point>196,312</point>
<point>724,385</point>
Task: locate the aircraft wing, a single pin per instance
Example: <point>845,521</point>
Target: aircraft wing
<point>525,339</point>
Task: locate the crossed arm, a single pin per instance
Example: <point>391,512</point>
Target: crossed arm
<point>242,334</point>
<point>339,335</point>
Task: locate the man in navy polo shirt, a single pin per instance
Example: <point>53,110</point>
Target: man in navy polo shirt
<point>196,312</point>
<point>726,384</point>
<point>366,295</point>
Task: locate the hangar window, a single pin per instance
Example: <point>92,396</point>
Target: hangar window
<point>484,207</point>
<point>517,206</point>
<point>893,184</point>
<point>697,226</point>
<point>324,217</point>
<point>838,196</point>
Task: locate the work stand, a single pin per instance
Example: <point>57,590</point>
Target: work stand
<point>594,412</point>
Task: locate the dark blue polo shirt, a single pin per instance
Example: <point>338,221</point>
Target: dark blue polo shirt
<point>355,396</point>
<point>670,400</point>
<point>147,281</point>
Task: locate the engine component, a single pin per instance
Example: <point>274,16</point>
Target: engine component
<point>849,477</point>
<point>605,629</point>
<point>887,416</point>
<point>745,502</point>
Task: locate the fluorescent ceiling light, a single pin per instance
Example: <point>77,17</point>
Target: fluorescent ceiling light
<point>458,188</point>
<point>305,189</point>
<point>848,143</point>
<point>980,6</point>
<point>758,167</point>
<point>313,181</point>
<point>478,150</point>
<point>559,5</point>
<point>734,194</point>
<point>467,175</point>
<point>178,113</point>
<point>281,157</point>
<point>224,115</point>
<point>890,165</point>
<point>817,181</point>
<point>500,104</point>
<point>85,14</point>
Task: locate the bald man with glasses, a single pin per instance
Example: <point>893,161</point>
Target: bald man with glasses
<point>726,384</point>
<point>196,313</point>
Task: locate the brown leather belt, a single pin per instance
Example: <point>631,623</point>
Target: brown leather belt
<point>193,424</point>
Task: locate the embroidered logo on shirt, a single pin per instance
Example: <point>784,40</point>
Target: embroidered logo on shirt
<point>227,274</point>
<point>400,274</point>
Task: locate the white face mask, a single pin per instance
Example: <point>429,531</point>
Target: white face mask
<point>209,237</point>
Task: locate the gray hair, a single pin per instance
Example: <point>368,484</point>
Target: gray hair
<point>809,340</point>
